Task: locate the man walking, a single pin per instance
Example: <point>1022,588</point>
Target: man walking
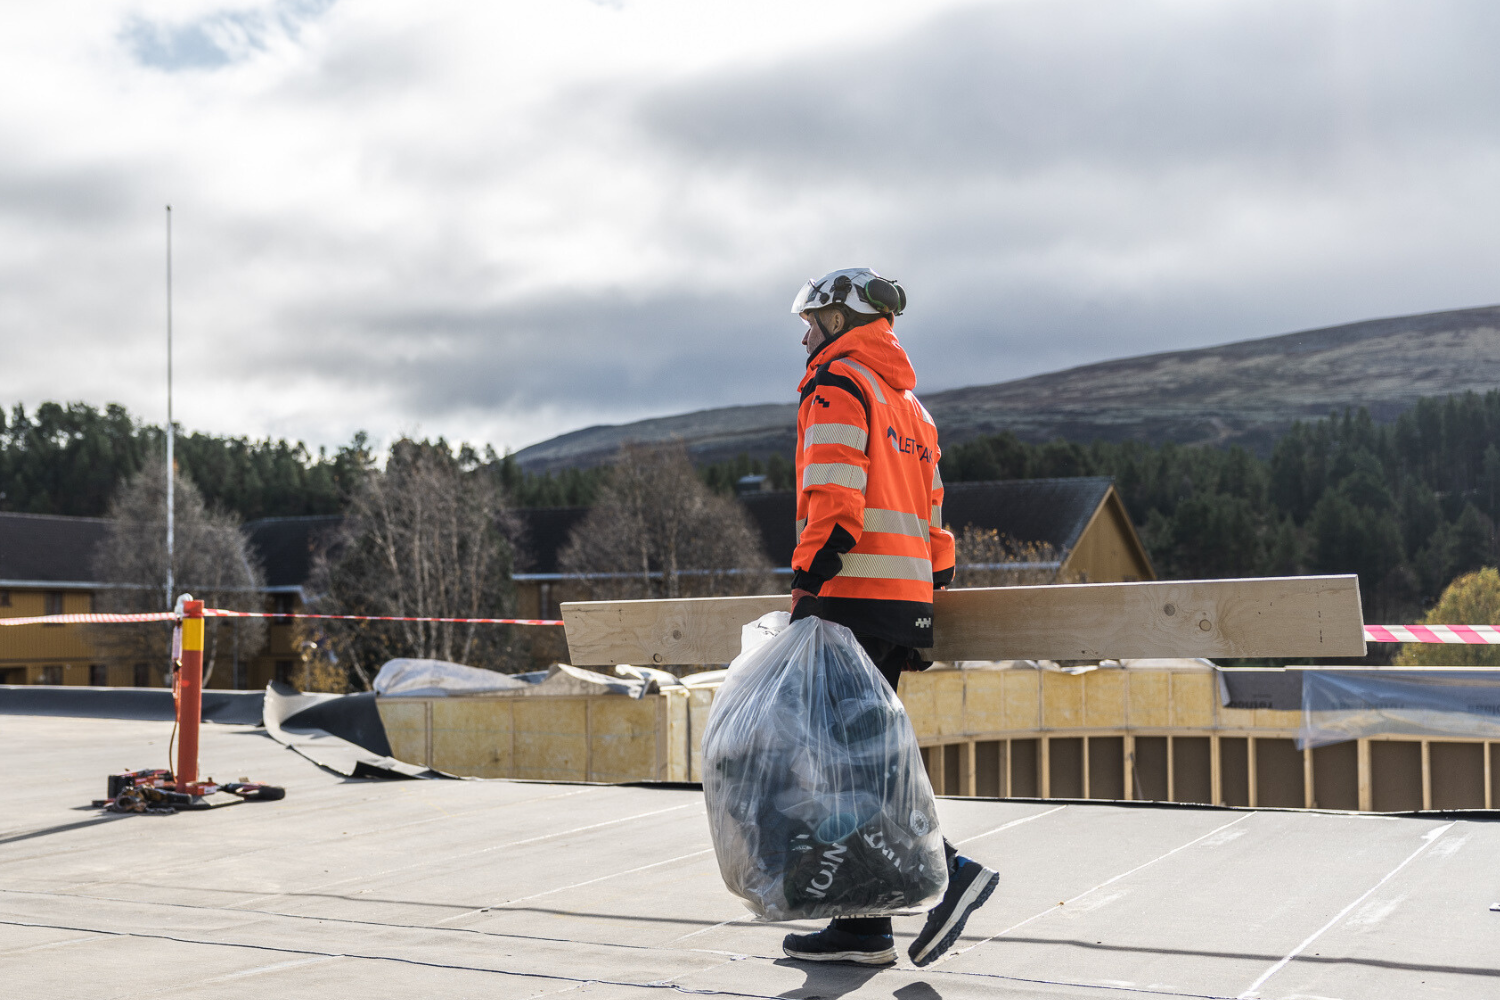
<point>871,547</point>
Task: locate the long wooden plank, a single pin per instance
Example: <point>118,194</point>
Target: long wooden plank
<point>1273,616</point>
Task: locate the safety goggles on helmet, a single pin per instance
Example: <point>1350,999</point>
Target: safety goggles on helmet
<point>858,289</point>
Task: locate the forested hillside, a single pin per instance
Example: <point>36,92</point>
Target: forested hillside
<point>1407,505</point>
<point>67,459</point>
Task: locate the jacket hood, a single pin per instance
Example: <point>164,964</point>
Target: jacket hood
<point>873,345</point>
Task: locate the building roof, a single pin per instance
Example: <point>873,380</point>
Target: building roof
<point>286,545</point>
<point>48,548</point>
<point>1053,511</point>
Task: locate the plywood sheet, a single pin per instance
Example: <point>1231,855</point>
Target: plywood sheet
<point>948,702</point>
<point>1193,697</point>
<point>1062,701</point>
<point>984,700</point>
<point>916,693</point>
<point>551,739</point>
<point>472,736</point>
<point>1149,694</point>
<point>622,739</point>
<point>1276,616</point>
<point>700,703</point>
<point>1104,699</point>
<point>1023,694</point>
<point>405,721</point>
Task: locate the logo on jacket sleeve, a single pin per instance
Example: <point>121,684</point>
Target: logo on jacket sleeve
<point>908,445</point>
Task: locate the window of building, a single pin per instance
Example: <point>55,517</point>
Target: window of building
<point>12,675</point>
<point>284,671</point>
<point>142,678</point>
<point>51,675</point>
<point>52,604</point>
<point>98,675</point>
<point>283,604</point>
<point>4,598</point>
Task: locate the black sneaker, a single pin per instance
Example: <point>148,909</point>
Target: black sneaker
<point>969,885</point>
<point>833,945</point>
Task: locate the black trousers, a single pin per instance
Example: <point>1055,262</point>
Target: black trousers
<point>891,660</point>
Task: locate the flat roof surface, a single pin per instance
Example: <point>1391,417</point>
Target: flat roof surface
<point>368,889</point>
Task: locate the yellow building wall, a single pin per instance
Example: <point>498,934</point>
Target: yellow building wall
<point>37,654</point>
<point>1108,551</point>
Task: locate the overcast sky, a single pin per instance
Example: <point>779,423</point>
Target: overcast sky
<point>502,221</point>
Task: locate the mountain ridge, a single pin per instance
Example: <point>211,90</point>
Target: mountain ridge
<point>1245,392</point>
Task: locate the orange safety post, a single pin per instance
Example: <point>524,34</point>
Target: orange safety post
<point>190,696</point>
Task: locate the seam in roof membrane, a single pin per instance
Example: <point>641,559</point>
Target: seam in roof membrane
<point>284,950</point>
<point>1101,885</point>
<point>1428,839</point>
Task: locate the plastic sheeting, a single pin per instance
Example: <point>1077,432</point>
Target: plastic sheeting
<point>1339,705</point>
<point>412,678</point>
<point>817,799</point>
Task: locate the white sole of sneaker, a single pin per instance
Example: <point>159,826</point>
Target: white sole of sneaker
<point>979,887</point>
<point>887,957</point>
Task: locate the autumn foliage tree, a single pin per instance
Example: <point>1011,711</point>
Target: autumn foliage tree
<point>1472,599</point>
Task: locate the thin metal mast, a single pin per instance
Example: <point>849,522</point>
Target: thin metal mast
<point>171,431</point>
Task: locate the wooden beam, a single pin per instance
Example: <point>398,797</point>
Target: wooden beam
<point>1274,616</point>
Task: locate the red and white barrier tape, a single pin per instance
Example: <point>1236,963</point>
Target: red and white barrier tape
<point>171,616</point>
<point>219,613</point>
<point>150,616</point>
<point>1473,635</point>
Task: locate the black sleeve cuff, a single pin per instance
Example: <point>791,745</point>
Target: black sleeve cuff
<point>942,577</point>
<point>803,580</point>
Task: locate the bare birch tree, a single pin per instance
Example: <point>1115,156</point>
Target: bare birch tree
<point>212,560</point>
<point>984,557</point>
<point>658,531</point>
<point>425,537</point>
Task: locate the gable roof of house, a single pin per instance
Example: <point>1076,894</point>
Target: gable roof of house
<point>1052,511</point>
<point>44,548</point>
<point>48,548</point>
<point>286,546</point>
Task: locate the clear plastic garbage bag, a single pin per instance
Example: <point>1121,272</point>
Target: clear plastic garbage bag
<point>817,799</point>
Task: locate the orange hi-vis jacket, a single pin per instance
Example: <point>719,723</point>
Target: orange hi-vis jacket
<point>870,538</point>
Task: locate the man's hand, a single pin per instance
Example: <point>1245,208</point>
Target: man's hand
<point>809,602</point>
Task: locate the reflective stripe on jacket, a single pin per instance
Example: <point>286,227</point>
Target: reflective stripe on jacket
<point>871,542</point>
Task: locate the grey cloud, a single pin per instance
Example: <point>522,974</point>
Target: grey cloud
<point>1018,88</point>
<point>1056,183</point>
<point>591,352</point>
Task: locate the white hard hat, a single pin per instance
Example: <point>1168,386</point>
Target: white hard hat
<point>859,289</point>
